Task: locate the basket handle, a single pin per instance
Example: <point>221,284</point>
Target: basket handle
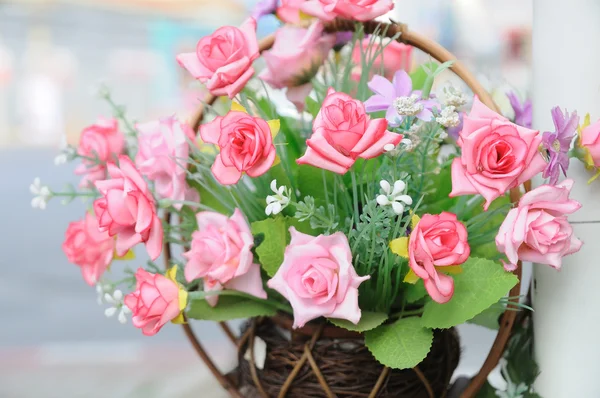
<point>442,55</point>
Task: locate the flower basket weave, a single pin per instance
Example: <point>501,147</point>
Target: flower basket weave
<point>321,360</point>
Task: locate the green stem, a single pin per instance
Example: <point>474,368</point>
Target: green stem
<point>164,203</point>
<point>274,304</point>
<point>355,197</point>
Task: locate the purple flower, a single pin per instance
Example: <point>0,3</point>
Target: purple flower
<point>558,143</point>
<point>264,7</point>
<point>523,113</point>
<point>398,99</point>
<point>341,39</point>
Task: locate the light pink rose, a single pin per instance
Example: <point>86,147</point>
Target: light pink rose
<point>590,140</point>
<point>538,229</point>
<point>246,146</point>
<point>289,11</point>
<point>318,279</point>
<point>89,248</point>
<point>99,143</point>
<point>293,66</point>
<point>163,149</point>
<point>127,209</point>
<point>437,241</point>
<point>395,56</point>
<point>155,301</point>
<point>358,10</point>
<point>223,60</point>
<point>221,253</point>
<point>496,155</point>
<point>343,132</point>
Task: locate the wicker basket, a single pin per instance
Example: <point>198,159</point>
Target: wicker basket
<point>323,361</point>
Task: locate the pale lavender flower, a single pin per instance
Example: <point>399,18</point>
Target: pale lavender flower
<point>523,112</point>
<point>558,143</point>
<point>398,99</point>
<point>264,7</point>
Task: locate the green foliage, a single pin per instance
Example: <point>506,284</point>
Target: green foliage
<point>481,284</point>
<point>414,292</point>
<point>489,317</point>
<point>270,252</point>
<point>368,321</point>
<point>228,308</point>
<point>400,345</point>
<point>487,391</point>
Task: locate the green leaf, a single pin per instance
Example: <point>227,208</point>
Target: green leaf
<point>312,106</point>
<point>310,183</point>
<point>414,292</point>
<point>489,317</point>
<point>270,251</point>
<point>400,345</point>
<point>228,308</point>
<point>481,284</point>
<point>368,321</point>
<point>419,76</point>
<point>487,391</point>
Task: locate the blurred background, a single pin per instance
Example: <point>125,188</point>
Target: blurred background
<point>54,54</point>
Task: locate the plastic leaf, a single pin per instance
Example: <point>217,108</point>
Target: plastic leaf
<point>237,107</point>
<point>368,321</point>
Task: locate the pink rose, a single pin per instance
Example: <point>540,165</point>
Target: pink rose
<point>497,155</point>
<point>223,60</point>
<point>318,279</point>
<point>293,66</point>
<point>342,132</point>
<point>246,144</point>
<point>395,56</point>
<point>99,143</point>
<point>127,209</point>
<point>538,229</point>
<point>89,248</point>
<point>156,300</point>
<point>590,140</point>
<point>289,11</point>
<point>437,241</point>
<point>358,10</point>
<point>163,149</point>
<point>221,253</point>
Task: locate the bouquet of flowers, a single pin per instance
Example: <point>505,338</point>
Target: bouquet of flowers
<point>378,205</point>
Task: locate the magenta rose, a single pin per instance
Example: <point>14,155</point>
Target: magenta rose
<point>246,144</point>
<point>89,248</point>
<point>590,140</point>
<point>538,229</point>
<point>99,143</point>
<point>163,149</point>
<point>223,60</point>
<point>293,66</point>
<point>221,254</point>
<point>127,209</point>
<point>318,279</point>
<point>157,299</point>
<point>358,10</point>
<point>437,241</point>
<point>496,155</point>
<point>343,132</point>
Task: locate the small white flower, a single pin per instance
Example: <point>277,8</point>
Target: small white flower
<point>389,147</point>
<point>448,117</point>
<point>394,196</point>
<point>276,203</point>
<point>117,306</point>
<point>41,194</point>
<point>408,106</point>
<point>455,97</point>
<point>66,154</point>
<point>61,158</point>
<point>407,144</point>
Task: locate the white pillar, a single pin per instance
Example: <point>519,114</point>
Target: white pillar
<point>567,316</point>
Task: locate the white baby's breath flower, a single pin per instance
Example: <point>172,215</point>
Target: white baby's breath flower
<point>394,197</point>
<point>117,306</point>
<point>389,147</point>
<point>408,106</point>
<point>406,144</point>
<point>276,203</point>
<point>448,117</point>
<point>67,152</point>
<point>61,158</point>
<point>455,97</point>
<point>42,194</point>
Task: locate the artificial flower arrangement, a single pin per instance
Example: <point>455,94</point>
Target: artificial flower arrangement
<point>379,207</point>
